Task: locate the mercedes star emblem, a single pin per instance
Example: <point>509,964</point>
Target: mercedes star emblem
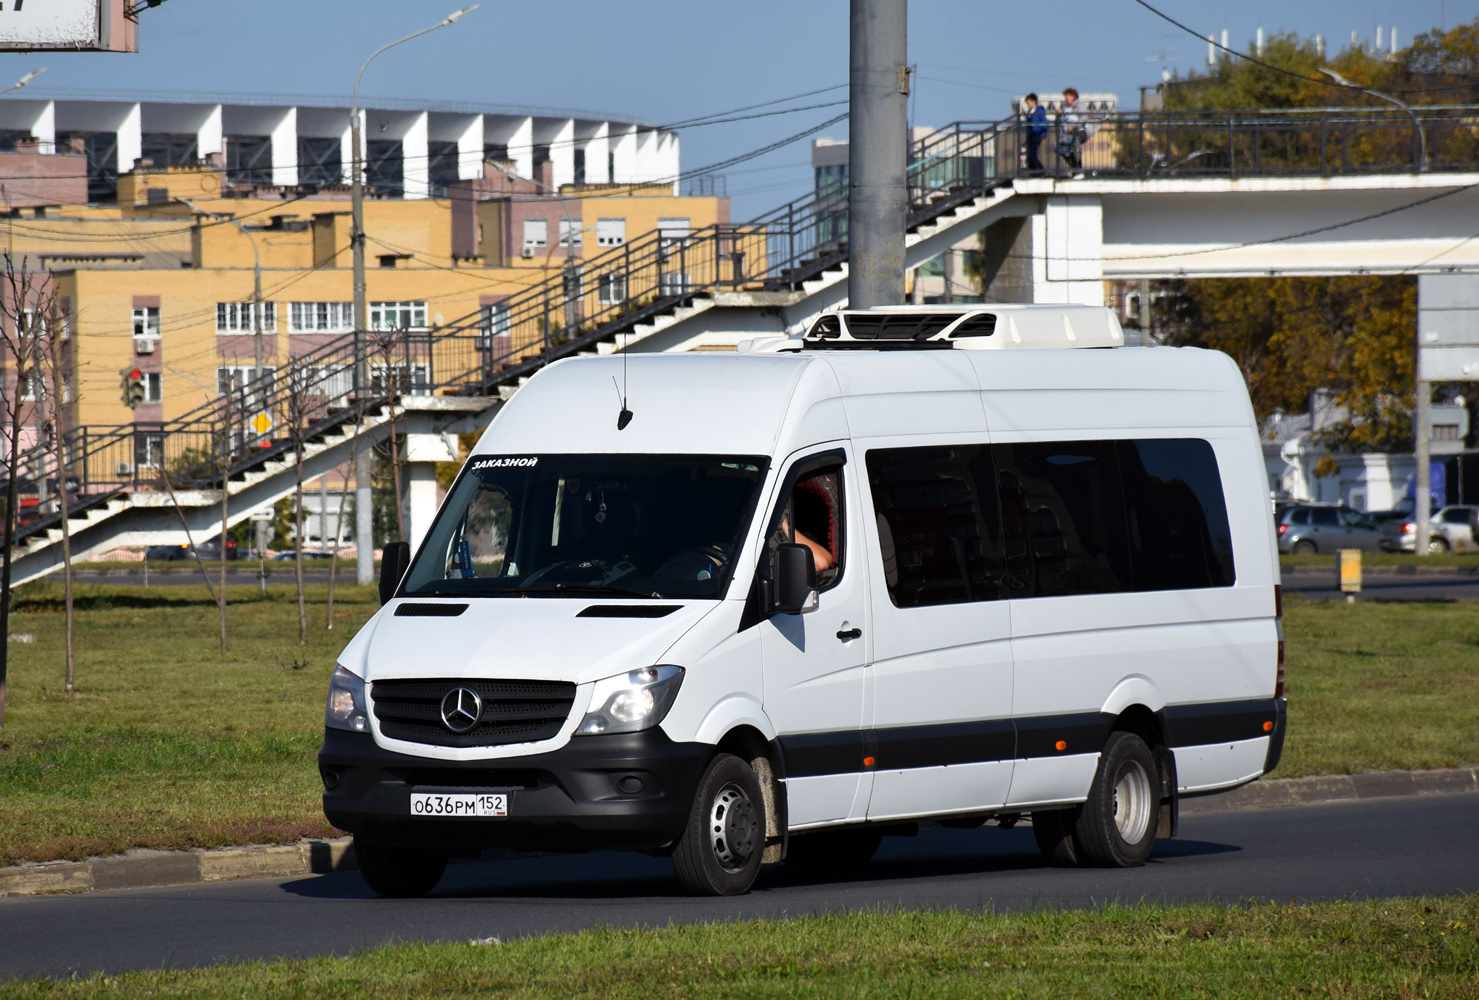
<point>461,708</point>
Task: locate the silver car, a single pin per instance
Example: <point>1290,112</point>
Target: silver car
<point>1307,529</point>
<point>1451,529</point>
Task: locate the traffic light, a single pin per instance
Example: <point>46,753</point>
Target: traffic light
<point>133,387</point>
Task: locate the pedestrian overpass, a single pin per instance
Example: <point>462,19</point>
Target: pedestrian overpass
<point>1163,195</point>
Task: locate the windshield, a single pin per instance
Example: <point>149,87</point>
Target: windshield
<point>584,525</point>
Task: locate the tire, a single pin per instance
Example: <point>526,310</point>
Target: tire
<point>1117,823</point>
<point>846,848</point>
<point>1437,545</point>
<point>399,872</point>
<point>1053,831</point>
<point>719,851</point>
<point>1304,547</point>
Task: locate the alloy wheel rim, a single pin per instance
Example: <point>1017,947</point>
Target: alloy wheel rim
<point>733,826</point>
<point>1132,802</point>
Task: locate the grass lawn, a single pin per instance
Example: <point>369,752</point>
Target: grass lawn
<point>169,744</point>
<point>1394,948</point>
<point>1329,560</point>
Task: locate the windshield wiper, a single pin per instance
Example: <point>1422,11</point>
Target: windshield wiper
<point>586,590</point>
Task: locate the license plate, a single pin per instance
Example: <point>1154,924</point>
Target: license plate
<point>459,805</point>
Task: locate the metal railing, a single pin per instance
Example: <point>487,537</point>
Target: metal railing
<point>602,297</point>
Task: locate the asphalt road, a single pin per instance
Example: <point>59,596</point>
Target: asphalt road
<point>1376,848</point>
<point>1387,586</point>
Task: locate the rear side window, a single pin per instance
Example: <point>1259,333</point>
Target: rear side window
<point>939,527</point>
<point>1179,534</point>
<point>1325,517</point>
<point>1300,516</point>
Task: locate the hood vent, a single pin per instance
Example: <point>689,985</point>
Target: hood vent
<point>628,610</point>
<point>429,610</point>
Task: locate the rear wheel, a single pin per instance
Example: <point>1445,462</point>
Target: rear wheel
<point>398,871</point>
<point>1116,824</point>
<point>719,852</point>
<point>1304,547</point>
<point>1438,545</point>
<point>834,848</point>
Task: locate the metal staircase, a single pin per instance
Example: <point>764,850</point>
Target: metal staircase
<point>115,475</point>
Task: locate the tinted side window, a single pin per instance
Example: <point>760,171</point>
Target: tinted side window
<point>1324,517</point>
<point>1064,517</point>
<point>1178,515</point>
<point>938,524</point>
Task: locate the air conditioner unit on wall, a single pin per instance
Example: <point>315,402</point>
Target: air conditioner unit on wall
<point>145,345</point>
<point>125,468</point>
<point>527,253</point>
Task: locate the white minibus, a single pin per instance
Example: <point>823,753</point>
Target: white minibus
<point>937,564</point>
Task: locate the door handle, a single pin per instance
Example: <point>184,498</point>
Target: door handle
<point>850,633</point>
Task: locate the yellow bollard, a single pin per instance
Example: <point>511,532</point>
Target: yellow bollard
<point>1350,573</point>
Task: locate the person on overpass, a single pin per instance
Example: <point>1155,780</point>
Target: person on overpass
<point>1075,127</point>
<point>1035,129</point>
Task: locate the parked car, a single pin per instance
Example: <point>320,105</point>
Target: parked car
<point>1451,529</point>
<point>1305,530</point>
<point>167,553</point>
<point>210,549</point>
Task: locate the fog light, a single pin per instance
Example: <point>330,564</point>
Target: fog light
<point>331,778</point>
<point>630,784</point>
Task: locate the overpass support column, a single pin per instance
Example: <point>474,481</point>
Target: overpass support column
<point>364,519</point>
<point>425,447</point>
<point>1068,251</point>
<point>878,155</point>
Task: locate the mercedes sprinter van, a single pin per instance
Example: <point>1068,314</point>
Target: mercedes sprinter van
<point>922,563</point>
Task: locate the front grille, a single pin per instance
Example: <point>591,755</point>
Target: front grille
<point>513,711</point>
<point>496,779</point>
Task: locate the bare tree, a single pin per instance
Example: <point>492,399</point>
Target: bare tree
<point>18,351</point>
<point>394,378</point>
<point>298,403</point>
<point>47,327</point>
<point>228,413</point>
<point>359,425</point>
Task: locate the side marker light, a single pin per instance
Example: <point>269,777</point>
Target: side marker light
<point>867,761</point>
<point>1268,727</point>
<point>1061,745</point>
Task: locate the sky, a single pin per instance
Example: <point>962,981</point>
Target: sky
<point>670,60</point>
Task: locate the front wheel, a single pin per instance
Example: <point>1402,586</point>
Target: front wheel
<point>398,871</point>
<point>719,851</point>
<point>1116,825</point>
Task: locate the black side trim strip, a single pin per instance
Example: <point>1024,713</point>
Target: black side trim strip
<point>1219,722</point>
<point>813,754</point>
<point>1083,732</point>
<point>936,746</point>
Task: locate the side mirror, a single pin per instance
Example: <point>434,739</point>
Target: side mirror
<point>795,580</point>
<point>394,562</point>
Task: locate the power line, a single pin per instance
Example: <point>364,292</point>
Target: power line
<point>1289,72</point>
<point>748,107</point>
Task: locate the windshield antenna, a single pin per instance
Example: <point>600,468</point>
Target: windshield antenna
<point>625,416</point>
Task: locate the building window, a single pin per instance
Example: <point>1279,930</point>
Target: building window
<point>493,321</point>
<point>397,315</point>
<point>570,232</point>
<point>146,321</point>
<point>536,232</point>
<point>148,449</point>
<point>611,232</point>
<point>320,317</point>
<point>236,317</point>
<point>153,387</point>
<point>1445,432</point>
<point>413,379</point>
<point>32,384</point>
<point>235,378</point>
<point>673,231</point>
<point>613,289</point>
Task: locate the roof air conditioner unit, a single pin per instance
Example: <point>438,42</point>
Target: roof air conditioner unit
<point>527,253</point>
<point>145,345</point>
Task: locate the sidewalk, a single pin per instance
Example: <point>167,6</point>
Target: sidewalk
<point>139,869</point>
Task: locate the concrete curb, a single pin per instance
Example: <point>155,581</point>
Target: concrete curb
<point>1338,788</point>
<point>1333,571</point>
<point>139,868</point>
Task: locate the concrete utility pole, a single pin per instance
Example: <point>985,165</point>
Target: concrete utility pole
<point>364,562</point>
<point>878,152</point>
<point>1422,488</point>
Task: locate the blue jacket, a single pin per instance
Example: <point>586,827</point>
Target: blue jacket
<point>1037,123</point>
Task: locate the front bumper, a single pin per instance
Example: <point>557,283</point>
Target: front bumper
<point>630,791</point>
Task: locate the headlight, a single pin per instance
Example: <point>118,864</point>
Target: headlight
<point>346,707</point>
<point>632,701</point>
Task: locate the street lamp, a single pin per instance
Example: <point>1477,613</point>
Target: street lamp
<point>364,526</point>
<point>24,80</point>
<point>1422,138</point>
<point>357,201</point>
